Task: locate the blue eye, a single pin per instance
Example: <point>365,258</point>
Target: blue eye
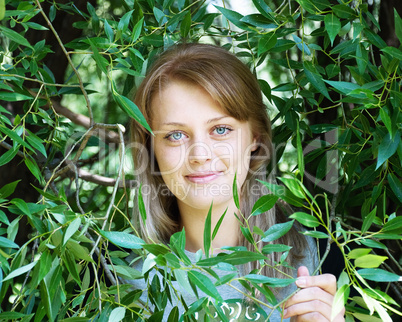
<point>222,130</point>
<point>175,136</point>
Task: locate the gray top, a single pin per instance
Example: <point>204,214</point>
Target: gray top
<point>235,307</point>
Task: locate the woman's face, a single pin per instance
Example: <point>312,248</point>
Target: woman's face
<point>198,147</point>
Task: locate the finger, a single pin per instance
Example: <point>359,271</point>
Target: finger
<point>302,271</point>
<point>327,282</point>
<point>315,310</point>
<point>310,294</point>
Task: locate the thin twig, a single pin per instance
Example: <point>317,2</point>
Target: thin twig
<point>84,92</point>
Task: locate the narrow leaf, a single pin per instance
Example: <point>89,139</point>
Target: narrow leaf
<point>267,42</point>
<point>131,109</point>
<point>6,243</point>
<point>117,314</point>
<point>393,224</point>
<point>234,17</point>
<point>332,26</point>
<point>370,261</point>
<point>71,229</point>
<point>398,25</point>
<point>235,192</point>
<point>269,281</point>
<point>204,284</point>
<point>396,185</point>
<point>315,78</point>
<point>19,271</point>
<point>305,219</point>
<point>264,204</point>
<point>387,148</point>
<point>368,220</point>
<point>218,224</point>
<point>122,239</point>
<point>379,275</point>
<point>8,189</point>
<point>339,301</point>
<point>15,36</point>
<point>276,231</point>
<point>207,232</point>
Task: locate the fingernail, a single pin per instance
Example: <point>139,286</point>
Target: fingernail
<point>285,311</point>
<point>301,282</point>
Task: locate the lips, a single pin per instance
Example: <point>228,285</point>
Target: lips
<point>203,177</point>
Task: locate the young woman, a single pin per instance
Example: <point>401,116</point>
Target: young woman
<point>210,124</point>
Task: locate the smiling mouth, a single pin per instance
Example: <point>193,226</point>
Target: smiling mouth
<point>203,177</point>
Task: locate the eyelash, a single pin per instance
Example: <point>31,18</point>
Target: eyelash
<point>227,128</point>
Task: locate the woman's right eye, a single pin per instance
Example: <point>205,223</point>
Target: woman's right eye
<point>175,136</point>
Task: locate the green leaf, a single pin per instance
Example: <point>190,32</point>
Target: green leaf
<point>204,284</point>
<point>266,42</point>
<point>305,219</point>
<point>122,239</point>
<point>124,21</point>
<point>370,261</point>
<point>236,192</point>
<point>387,148</point>
<point>117,314</point>
<point>395,224</point>
<point>207,232</point>
<point>315,78</point>
<point>343,87</point>
<point>15,36</point>
<point>101,61</point>
<point>398,25</point>
<point>368,220</point>
<point>269,281</point>
<point>234,17</point>
<point>395,185</point>
<point>343,11</point>
<point>394,52</point>
<point>71,229</point>
<point>332,26</point>
<point>131,109</point>
<point>340,298</point>
<point>6,243</point>
<point>9,155</point>
<point>276,231</point>
<point>3,218</point>
<point>294,186</point>
<point>315,234</point>
<point>283,193</point>
<point>21,205</point>
<point>264,204</point>
<point>108,31</point>
<point>21,270</point>
<point>137,29</point>
<point>379,275</point>
<point>271,248</point>
<point>243,257</point>
<point>8,189</point>
<point>36,143</point>
<point>15,137</point>
<point>2,9</point>
<point>141,205</point>
<point>14,97</point>
<point>185,25</point>
<point>33,167</point>
<point>358,252</point>
<point>218,224</point>
<point>300,156</point>
<point>386,119</point>
<point>263,8</point>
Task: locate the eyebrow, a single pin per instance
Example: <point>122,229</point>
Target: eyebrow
<point>209,121</point>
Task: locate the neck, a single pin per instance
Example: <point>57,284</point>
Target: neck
<point>193,221</point>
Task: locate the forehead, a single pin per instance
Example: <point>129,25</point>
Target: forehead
<point>179,100</point>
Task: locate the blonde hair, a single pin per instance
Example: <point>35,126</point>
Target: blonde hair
<point>231,84</point>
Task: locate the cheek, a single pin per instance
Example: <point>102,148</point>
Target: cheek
<point>169,159</point>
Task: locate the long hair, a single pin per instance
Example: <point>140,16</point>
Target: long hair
<point>232,85</point>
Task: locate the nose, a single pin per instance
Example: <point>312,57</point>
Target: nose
<point>199,153</point>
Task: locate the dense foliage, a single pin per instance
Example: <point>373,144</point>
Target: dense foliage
<point>334,92</point>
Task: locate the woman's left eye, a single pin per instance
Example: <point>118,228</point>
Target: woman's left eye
<point>222,130</point>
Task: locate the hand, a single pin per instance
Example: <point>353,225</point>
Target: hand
<point>314,301</point>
